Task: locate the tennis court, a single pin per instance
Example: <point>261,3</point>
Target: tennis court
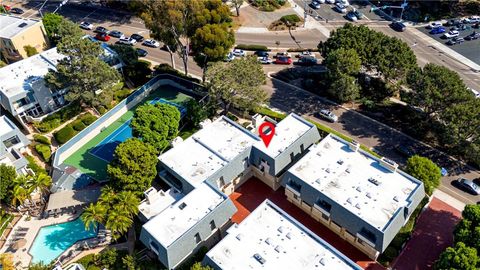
<point>92,158</point>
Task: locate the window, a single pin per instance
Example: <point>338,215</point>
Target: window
<point>295,196</point>
<point>292,157</point>
<point>220,182</point>
<point>182,206</point>
<point>212,225</point>
<point>198,239</point>
<point>325,205</point>
<point>368,237</point>
<point>302,148</point>
<point>245,163</point>
<point>11,141</point>
<point>154,246</point>
<point>325,216</point>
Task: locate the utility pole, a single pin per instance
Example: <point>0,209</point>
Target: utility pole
<point>304,13</point>
<point>40,9</point>
<point>61,4</point>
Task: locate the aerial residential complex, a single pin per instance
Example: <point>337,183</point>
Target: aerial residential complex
<point>16,32</point>
<point>12,144</point>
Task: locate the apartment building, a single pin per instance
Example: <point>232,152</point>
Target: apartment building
<point>16,32</point>
<point>12,144</point>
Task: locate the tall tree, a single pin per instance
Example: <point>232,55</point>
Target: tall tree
<point>81,71</point>
<point>40,182</point>
<point>21,190</point>
<point>133,167</point>
<point>424,170</point>
<point>118,221</point>
<point>93,215</point>
<point>237,4</point>
<point>344,88</point>
<point>7,180</point>
<point>174,23</point>
<point>458,257</point>
<point>6,261</point>
<point>156,124</point>
<point>237,84</point>
<point>211,43</point>
<point>58,27</point>
<point>343,61</point>
<point>196,112</point>
<point>468,229</point>
<point>51,22</point>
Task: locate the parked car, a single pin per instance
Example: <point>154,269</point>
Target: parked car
<point>86,25</point>
<point>137,37</point>
<point>328,115</point>
<point>141,52</point>
<point>475,93</point>
<point>463,27</point>
<point>340,8</point>
<point>398,26</point>
<point>351,16</point>
<point>472,36</point>
<point>7,7</point>
<point>151,43</point>
<point>453,22</point>
<point>116,33</point>
<point>304,54</point>
<point>433,25</point>
<point>345,3</point>
<point>283,60</point>
<point>127,41</point>
<point>438,30</point>
<point>17,11</point>
<point>264,60</point>
<point>102,37</point>
<point>451,34</point>
<point>100,29</point>
<point>306,61</point>
<point>230,57</point>
<point>476,26</point>
<point>261,53</point>
<point>315,5</point>
<point>474,19</point>
<point>283,54</point>
<point>405,151</point>
<point>469,186</point>
<point>239,52</point>
<point>330,1</point>
<point>455,40</point>
<point>358,14</point>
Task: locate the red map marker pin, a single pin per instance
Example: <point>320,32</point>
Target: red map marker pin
<point>262,131</point>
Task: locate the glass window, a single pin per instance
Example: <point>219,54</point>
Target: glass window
<point>212,225</point>
<point>197,238</point>
<point>11,141</point>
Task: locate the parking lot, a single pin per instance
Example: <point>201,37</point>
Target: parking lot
<point>328,11</point>
<point>469,48</point>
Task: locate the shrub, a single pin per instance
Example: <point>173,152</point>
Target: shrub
<point>41,139</point>
<point>31,51</point>
<point>121,94</point>
<point>56,119</point>
<point>139,73</point>
<point>290,19</point>
<point>166,68</point>
<point>78,125</point>
<point>252,47</point>
<point>32,164</point>
<point>88,118</point>
<point>302,49</point>
<point>64,134</point>
<point>44,151</point>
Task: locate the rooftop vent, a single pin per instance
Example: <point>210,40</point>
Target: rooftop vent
<point>239,236</point>
<point>289,235</point>
<point>357,206</point>
<point>369,195</point>
<point>23,24</point>
<point>268,241</point>
<point>340,162</point>
<point>278,249</point>
<point>354,146</point>
<point>322,261</point>
<point>395,198</point>
<point>388,164</point>
<point>374,181</point>
<point>182,206</point>
<point>280,229</point>
<point>359,189</point>
<point>151,194</point>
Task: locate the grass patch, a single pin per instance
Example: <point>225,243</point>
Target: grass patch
<point>56,119</point>
<point>32,164</point>
<point>41,139</point>
<point>44,151</point>
<point>65,134</point>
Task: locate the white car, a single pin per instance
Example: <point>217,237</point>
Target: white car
<point>351,16</point>
<point>230,57</point>
<point>239,52</point>
<point>345,3</point>
<point>340,8</point>
<point>434,25</point>
<point>474,92</point>
<point>330,116</point>
<point>330,1</point>
<point>321,1</point>
<point>474,19</point>
<point>264,60</point>
<point>151,43</point>
<point>127,41</point>
<point>451,34</point>
<point>86,25</point>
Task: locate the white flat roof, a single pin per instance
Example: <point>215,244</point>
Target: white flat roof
<point>10,26</point>
<point>347,177</point>
<point>279,240</point>
<point>15,78</point>
<point>161,202</point>
<point>206,151</point>
<point>175,220</point>
<point>6,125</point>
<point>287,131</point>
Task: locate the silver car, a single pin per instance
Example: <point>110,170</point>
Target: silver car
<point>469,185</point>
<point>330,116</point>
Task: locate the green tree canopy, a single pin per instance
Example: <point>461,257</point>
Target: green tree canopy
<point>237,84</point>
<point>344,88</point>
<point>343,61</point>
<point>196,112</point>
<point>7,178</point>
<point>199,266</point>
<point>51,22</point>
<point>468,229</point>
<point>458,257</point>
<point>58,27</point>
<point>424,170</point>
<point>156,124</point>
<point>127,54</point>
<point>133,167</point>
<point>82,70</point>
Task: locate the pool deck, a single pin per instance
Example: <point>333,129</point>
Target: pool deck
<point>96,167</point>
<point>33,226</point>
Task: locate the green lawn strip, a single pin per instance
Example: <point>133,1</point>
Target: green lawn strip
<point>96,167</point>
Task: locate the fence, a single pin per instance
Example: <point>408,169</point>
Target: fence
<point>116,112</point>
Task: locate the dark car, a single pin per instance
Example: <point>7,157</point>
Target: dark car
<point>141,52</point>
<point>116,33</point>
<point>437,30</point>
<point>398,26</point>
<point>261,53</point>
<point>455,40</point>
<point>101,30</point>
<point>405,151</point>
<point>17,11</point>
<point>469,186</point>
<point>137,37</point>
<point>306,61</point>
<point>473,36</point>
<point>453,22</point>
<point>476,26</point>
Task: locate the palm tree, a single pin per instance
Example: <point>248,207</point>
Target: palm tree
<point>108,197</point>
<point>92,215</point>
<point>41,181</point>
<point>128,201</point>
<point>118,221</point>
<point>21,190</point>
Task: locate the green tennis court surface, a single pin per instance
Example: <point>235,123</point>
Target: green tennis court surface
<point>97,167</point>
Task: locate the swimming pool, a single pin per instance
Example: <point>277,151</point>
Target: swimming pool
<point>51,241</point>
<point>105,149</point>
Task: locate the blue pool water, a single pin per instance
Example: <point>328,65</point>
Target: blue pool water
<point>51,241</point>
<point>105,149</point>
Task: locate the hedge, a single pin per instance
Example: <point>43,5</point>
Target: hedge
<point>290,19</point>
<point>252,47</point>
<point>56,119</point>
<point>41,139</point>
<point>78,125</point>
<point>32,164</point>
<point>166,68</point>
<point>302,49</point>
<point>65,134</point>
<point>44,151</point>
<point>88,118</point>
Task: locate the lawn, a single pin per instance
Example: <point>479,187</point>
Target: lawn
<point>96,167</point>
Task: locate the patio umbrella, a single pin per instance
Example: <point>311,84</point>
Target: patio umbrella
<point>19,244</point>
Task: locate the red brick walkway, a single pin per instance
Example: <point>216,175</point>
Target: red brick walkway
<point>253,192</point>
<point>433,234</point>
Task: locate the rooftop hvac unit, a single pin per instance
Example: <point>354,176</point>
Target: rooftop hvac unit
<point>152,195</point>
<point>388,164</point>
<point>354,146</point>
<point>374,181</point>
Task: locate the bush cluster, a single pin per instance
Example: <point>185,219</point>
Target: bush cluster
<point>56,119</point>
<point>166,68</point>
<point>252,47</point>
<point>44,151</point>
<point>70,130</point>
<point>41,139</point>
<point>268,5</point>
<point>290,19</point>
